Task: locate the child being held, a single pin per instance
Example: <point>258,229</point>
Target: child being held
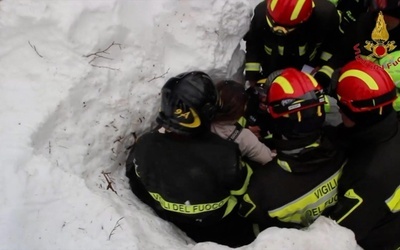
<point>225,124</point>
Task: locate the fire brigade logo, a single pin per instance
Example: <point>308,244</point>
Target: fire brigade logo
<point>380,36</point>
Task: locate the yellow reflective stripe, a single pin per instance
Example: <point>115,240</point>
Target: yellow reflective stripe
<point>367,79</point>
<point>284,165</point>
<point>243,189</point>
<point>269,136</point>
<point>319,113</point>
<point>312,79</point>
<point>340,21</point>
<point>187,208</point>
<point>326,70</point>
<point>313,145</point>
<point>273,4</point>
<point>325,56</point>
<point>302,50</point>
<point>335,2</point>
<point>252,66</point>
<point>308,207</point>
<point>285,84</point>
<point>327,105</point>
<point>242,121</point>
<point>281,50</point>
<point>268,21</point>
<point>297,9</point>
<point>312,55</point>
<point>247,199</point>
<point>298,116</point>
<point>230,206</point>
<point>396,104</point>
<point>262,81</point>
<point>268,50</point>
<point>351,195</point>
<point>394,201</point>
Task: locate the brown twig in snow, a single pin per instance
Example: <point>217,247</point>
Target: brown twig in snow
<point>99,54</point>
<point>161,76</point>
<point>103,67</point>
<point>109,181</point>
<point>34,47</point>
<point>105,51</point>
<point>115,227</point>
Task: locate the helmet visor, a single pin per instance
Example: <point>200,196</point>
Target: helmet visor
<point>309,99</point>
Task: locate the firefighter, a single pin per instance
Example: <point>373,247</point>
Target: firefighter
<point>369,188</point>
<point>187,174</point>
<point>287,33</point>
<point>301,181</point>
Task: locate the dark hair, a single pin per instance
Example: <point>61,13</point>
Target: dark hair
<point>233,99</point>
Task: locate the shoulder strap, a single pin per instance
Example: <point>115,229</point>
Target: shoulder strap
<point>236,132</point>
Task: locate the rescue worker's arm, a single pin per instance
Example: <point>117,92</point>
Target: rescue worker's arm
<point>254,43</point>
<point>350,10</point>
<point>134,179</point>
<point>251,206</point>
<point>360,209</point>
<point>330,44</point>
<point>239,180</point>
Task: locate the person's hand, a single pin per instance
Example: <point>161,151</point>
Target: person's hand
<point>256,130</point>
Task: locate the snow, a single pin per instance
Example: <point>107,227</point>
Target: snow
<point>78,80</point>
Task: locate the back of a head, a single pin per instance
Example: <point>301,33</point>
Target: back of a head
<point>289,13</point>
<point>365,94</point>
<point>189,101</point>
<point>233,101</point>
<point>295,101</point>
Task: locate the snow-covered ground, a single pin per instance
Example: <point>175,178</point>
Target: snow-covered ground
<point>80,78</point>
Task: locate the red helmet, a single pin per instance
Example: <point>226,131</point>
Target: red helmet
<point>364,87</point>
<point>289,12</point>
<point>293,91</point>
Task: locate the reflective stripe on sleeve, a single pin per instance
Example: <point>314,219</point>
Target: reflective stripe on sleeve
<point>250,204</point>
<point>267,50</point>
<point>243,189</point>
<point>326,70</point>
<point>325,56</point>
<point>327,105</point>
<point>350,194</point>
<point>252,66</point>
<point>394,201</point>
